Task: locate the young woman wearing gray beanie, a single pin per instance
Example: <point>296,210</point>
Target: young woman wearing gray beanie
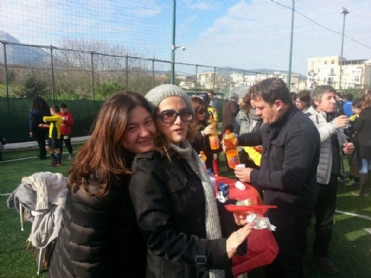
<point>174,200</point>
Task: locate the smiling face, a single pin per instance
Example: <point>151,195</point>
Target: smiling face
<point>269,113</point>
<point>327,103</point>
<point>175,132</point>
<point>140,131</point>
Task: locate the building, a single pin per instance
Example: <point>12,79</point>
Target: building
<point>356,74</point>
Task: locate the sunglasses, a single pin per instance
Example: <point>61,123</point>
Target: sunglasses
<point>169,116</point>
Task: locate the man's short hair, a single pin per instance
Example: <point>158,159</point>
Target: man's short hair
<point>319,91</point>
<point>272,89</point>
<point>55,108</point>
<point>304,96</point>
<point>211,92</point>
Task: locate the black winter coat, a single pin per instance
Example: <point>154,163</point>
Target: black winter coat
<point>363,128</point>
<point>99,237</point>
<point>291,148</point>
<point>169,202</point>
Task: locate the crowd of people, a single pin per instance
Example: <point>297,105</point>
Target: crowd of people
<point>140,202</point>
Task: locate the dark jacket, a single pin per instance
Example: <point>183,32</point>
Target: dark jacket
<point>230,111</point>
<point>363,128</point>
<point>170,206</point>
<point>289,160</point>
<point>99,237</point>
<point>35,118</point>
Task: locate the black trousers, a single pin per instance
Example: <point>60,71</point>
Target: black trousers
<point>290,236</point>
<point>40,139</point>
<point>325,203</point>
<point>67,142</point>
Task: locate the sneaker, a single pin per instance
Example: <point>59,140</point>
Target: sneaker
<point>57,164</point>
<point>70,156</point>
<point>328,266</point>
<point>53,163</point>
<point>359,193</point>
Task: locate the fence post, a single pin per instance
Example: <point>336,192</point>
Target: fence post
<point>6,82</point>
<point>196,78</point>
<point>92,79</point>
<point>214,78</point>
<point>127,72</point>
<point>153,73</point>
<point>52,64</point>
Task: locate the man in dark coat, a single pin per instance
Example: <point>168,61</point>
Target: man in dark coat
<point>230,111</point>
<point>287,174</point>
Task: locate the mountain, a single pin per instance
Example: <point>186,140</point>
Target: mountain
<point>19,54</point>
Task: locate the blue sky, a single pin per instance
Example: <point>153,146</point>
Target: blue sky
<point>236,33</point>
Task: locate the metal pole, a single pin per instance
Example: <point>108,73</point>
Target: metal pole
<point>52,64</point>
<point>291,42</point>
<point>127,72</point>
<point>196,78</point>
<point>173,45</point>
<point>153,73</point>
<point>6,83</point>
<point>92,79</point>
<point>344,12</point>
<point>214,78</point>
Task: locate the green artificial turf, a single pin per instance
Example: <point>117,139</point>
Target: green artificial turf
<point>350,247</point>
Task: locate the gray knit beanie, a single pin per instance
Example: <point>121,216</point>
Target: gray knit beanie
<point>159,93</point>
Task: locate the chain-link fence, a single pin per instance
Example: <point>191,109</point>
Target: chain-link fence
<point>84,79</point>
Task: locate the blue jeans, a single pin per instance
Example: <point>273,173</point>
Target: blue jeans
<point>364,165</point>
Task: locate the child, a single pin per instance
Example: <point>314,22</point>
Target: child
<point>67,123</point>
<point>54,142</point>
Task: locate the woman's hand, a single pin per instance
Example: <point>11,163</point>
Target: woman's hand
<point>210,129</point>
<point>236,238</point>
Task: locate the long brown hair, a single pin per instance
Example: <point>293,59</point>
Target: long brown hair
<point>39,103</point>
<point>101,158</point>
<point>366,100</point>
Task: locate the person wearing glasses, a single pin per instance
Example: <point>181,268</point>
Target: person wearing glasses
<point>302,101</point>
<point>174,200</point>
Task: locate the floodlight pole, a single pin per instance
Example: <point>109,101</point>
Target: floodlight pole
<point>291,43</point>
<point>344,12</point>
<point>173,45</point>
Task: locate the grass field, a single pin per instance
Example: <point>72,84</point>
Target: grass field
<point>350,247</point>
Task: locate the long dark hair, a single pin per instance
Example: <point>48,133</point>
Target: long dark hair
<point>39,103</point>
<point>101,158</point>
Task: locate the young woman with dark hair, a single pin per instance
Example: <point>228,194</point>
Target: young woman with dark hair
<point>100,236</point>
<point>39,109</point>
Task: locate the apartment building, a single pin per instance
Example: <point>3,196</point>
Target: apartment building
<point>356,74</point>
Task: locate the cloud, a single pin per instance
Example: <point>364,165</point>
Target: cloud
<point>256,34</point>
<point>247,34</point>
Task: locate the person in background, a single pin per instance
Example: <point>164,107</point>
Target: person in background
<point>39,109</point>
<point>353,158</point>
<point>302,101</point>
<point>67,123</point>
<point>201,140</point>
<point>347,105</point>
<point>53,145</point>
<point>363,128</point>
<point>100,236</point>
<point>330,168</point>
<point>230,111</point>
<point>174,199</point>
<point>246,122</point>
<point>287,173</point>
<point>213,100</point>
<point>293,97</point>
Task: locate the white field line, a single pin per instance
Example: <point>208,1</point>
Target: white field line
<point>353,214</point>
